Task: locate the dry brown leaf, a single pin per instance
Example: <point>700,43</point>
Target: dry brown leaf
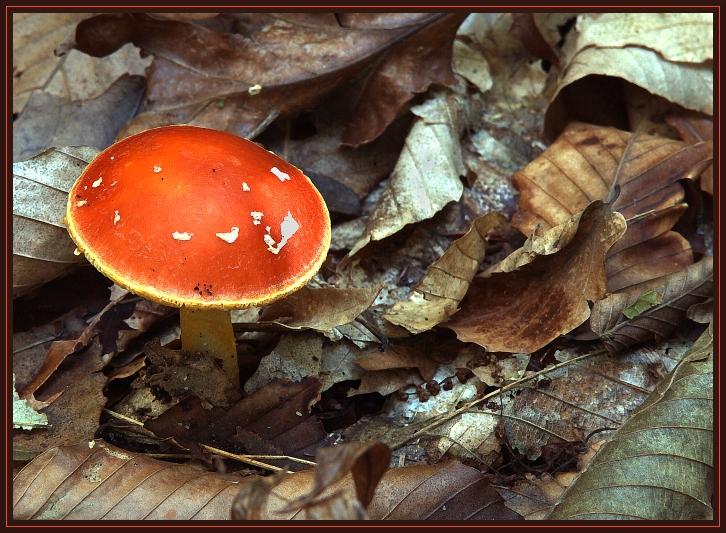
<point>668,54</point>
<point>276,65</point>
<point>437,295</point>
<point>446,491</point>
<point>42,249</point>
<point>693,128</point>
<point>427,174</point>
<point>96,481</point>
<point>274,420</point>
<point>406,70</point>
<point>395,357</point>
<point>522,311</point>
<point>581,166</point>
<point>676,292</point>
<point>328,499</point>
<point>48,121</point>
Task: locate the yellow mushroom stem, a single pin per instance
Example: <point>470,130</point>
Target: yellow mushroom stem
<point>210,330</point>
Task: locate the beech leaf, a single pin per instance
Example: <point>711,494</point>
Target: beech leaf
<point>659,464</point>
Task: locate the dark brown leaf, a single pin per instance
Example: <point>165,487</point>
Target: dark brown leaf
<point>97,481</point>
<point>693,128</point>
<point>677,293</point>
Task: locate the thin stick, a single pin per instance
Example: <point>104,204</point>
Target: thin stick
<point>249,459</point>
<point>504,389</point>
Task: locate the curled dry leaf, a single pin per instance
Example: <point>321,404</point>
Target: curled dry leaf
<point>659,464</point>
<point>523,310</point>
<point>667,54</point>
<point>426,177</point>
<point>437,295</point>
<point>96,481</point>
<point>407,70</point>
<point>274,420</point>
<point>343,486</point>
<point>582,165</point>
<point>693,128</point>
<point>675,295</point>
<point>48,121</point>
<point>42,249</point>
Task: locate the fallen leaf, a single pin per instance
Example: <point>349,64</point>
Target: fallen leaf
<point>693,128</point>
<point>331,497</point>
<point>426,176</point>
<point>308,355</point>
<point>668,54</point>
<point>48,121</point>
<point>274,420</point>
<point>645,301</point>
<point>293,61</point>
<point>408,69</point>
<point>523,310</point>
<point>396,357</point>
<point>471,64</point>
<point>35,37</point>
<point>42,249</point>
<point>659,464</point>
<point>438,294</point>
<point>102,482</point>
<point>582,165</point>
<point>24,416</point>
<point>676,293</point>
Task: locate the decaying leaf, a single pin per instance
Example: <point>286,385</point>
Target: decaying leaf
<point>48,121</point>
<point>308,355</point>
<point>676,293</point>
<point>42,249</point>
<point>668,54</point>
<point>407,70</point>
<point>582,165</point>
<point>274,420</point>
<point>426,176</point>
<point>343,486</point>
<point>659,464</point>
<point>96,481</point>
<point>24,416</point>
<point>693,128</point>
<point>523,310</point>
<point>438,294</point>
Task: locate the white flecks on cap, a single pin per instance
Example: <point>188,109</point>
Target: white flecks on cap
<point>157,168</point>
<point>112,158</point>
<point>256,217</point>
<point>116,217</point>
<point>81,203</point>
<point>255,89</point>
<point>182,235</point>
<point>267,229</point>
<point>97,182</point>
<point>288,228</point>
<point>245,187</point>
<point>76,252</point>
<point>230,236</point>
<point>114,183</point>
<point>280,174</point>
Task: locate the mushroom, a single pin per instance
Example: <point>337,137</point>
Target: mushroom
<point>186,237</point>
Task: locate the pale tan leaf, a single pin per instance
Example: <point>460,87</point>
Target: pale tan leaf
<point>42,249</point>
<point>97,481</point>
<point>659,464</point>
<point>437,295</point>
<point>427,173</point>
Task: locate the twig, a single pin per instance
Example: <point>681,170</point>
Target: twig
<point>249,459</point>
<point>493,394</point>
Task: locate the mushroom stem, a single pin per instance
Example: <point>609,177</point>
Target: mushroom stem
<point>210,331</point>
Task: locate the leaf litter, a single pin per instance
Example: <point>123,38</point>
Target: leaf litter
<point>514,278</point>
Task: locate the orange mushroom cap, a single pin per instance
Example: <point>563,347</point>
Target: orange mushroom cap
<point>200,218</point>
